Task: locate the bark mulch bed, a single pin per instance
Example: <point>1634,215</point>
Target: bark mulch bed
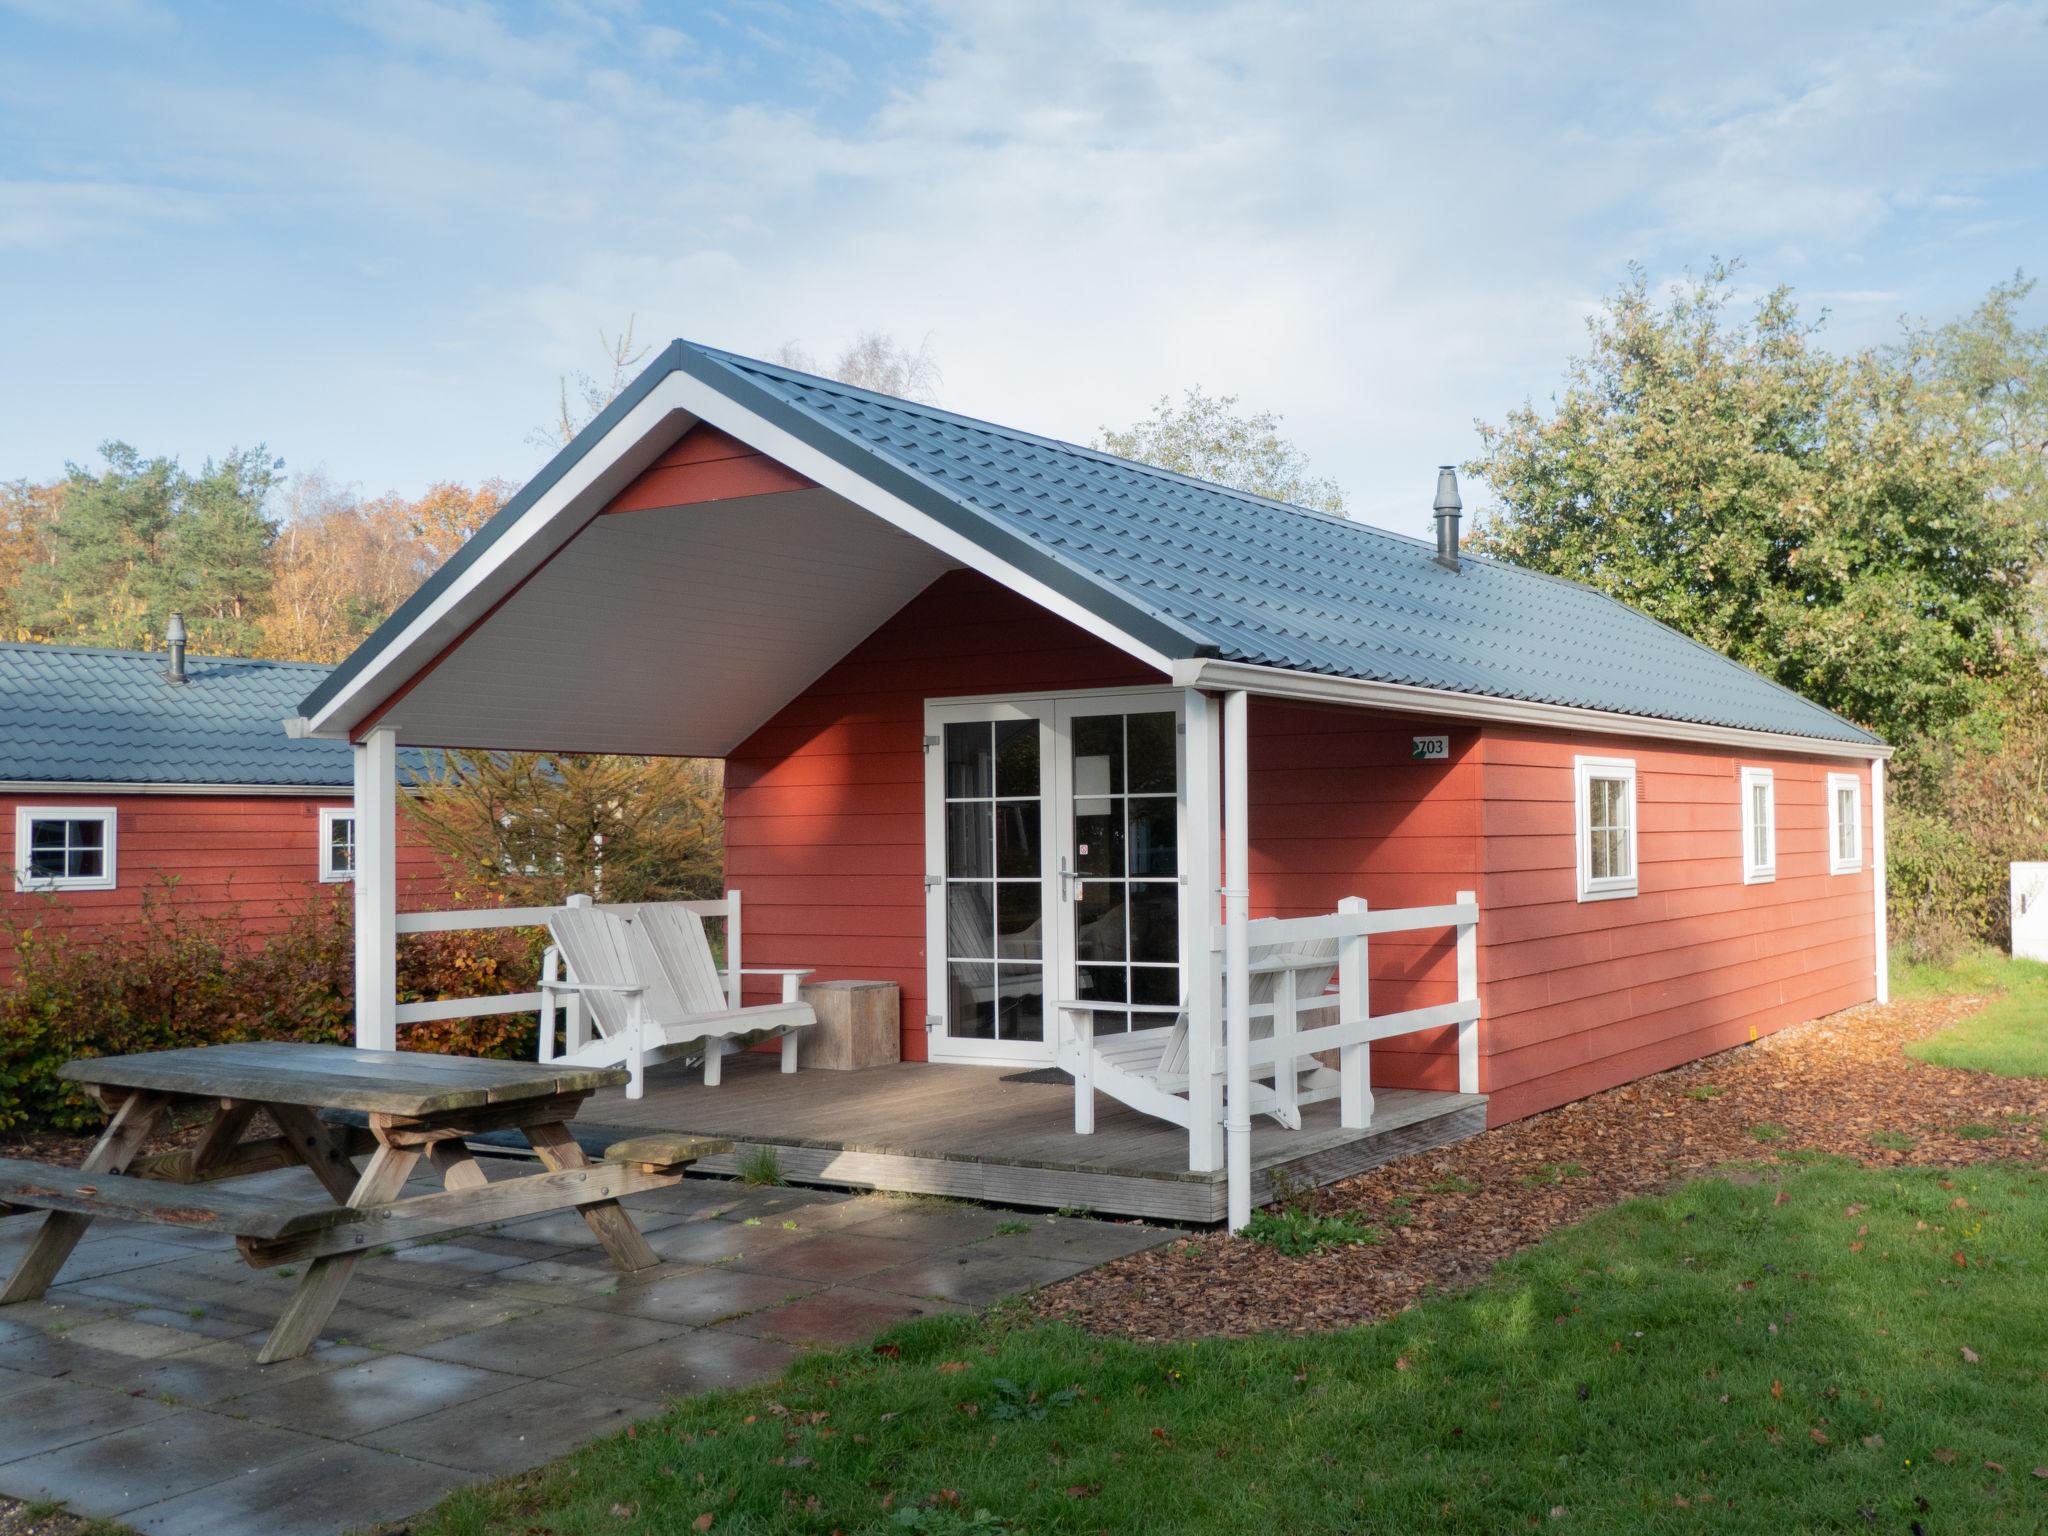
<point>1840,1085</point>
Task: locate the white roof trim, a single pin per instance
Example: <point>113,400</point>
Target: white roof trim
<point>677,402</point>
<point>12,787</point>
<point>1406,698</point>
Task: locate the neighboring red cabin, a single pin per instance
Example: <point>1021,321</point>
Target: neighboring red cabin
<point>120,788</point>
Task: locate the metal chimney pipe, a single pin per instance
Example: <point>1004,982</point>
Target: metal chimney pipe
<point>1448,506</point>
<point>174,632</point>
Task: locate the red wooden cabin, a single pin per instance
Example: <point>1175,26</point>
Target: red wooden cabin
<point>1043,736</point>
<point>128,778</point>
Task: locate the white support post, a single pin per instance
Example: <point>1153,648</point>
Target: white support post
<point>1881,926</point>
<point>376,893</point>
<point>1468,992</point>
<point>1354,1001</point>
<point>1203,837</point>
<point>1286,1075</point>
<point>1237,907</point>
<point>732,949</point>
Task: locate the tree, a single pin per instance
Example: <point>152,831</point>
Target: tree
<point>1205,437</point>
<point>1819,518</point>
<point>876,361</point>
<point>592,393</point>
<point>341,565</point>
<point>534,828</point>
<point>26,513</point>
<point>142,539</point>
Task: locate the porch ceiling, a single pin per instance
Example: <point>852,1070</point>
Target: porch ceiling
<point>674,631</point>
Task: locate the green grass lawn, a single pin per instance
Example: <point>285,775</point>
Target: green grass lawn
<point>1805,1348</point>
<point>2009,1037</point>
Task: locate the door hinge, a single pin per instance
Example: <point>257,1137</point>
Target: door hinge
<point>930,742</point>
<point>932,880</point>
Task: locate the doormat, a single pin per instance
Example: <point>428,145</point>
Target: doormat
<point>1057,1076</point>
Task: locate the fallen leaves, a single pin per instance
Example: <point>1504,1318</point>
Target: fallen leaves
<point>1830,1084</point>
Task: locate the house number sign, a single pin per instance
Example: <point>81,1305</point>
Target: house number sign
<point>1430,749</point>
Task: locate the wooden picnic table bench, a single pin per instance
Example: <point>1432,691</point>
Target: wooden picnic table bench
<point>417,1105</point>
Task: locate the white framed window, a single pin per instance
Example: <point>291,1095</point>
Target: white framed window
<point>337,843</point>
<point>1845,823</point>
<point>1759,826</point>
<point>64,847</point>
<point>1606,793</point>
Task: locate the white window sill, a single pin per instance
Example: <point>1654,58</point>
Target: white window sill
<point>1608,892</point>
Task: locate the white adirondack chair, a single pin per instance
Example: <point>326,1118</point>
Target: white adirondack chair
<point>645,977</point>
<point>1147,1069</point>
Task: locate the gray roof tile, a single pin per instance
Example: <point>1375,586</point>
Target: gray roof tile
<point>1281,586</point>
<point>76,714</point>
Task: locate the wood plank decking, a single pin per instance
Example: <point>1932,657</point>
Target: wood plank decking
<point>969,1133</point>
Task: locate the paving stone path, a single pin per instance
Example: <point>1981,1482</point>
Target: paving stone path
<point>131,1391</point>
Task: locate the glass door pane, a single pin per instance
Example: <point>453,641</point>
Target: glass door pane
<point>1125,779</point>
<point>994,882</point>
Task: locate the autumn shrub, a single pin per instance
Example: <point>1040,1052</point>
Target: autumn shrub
<point>182,977</point>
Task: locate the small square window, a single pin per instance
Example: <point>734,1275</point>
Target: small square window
<point>1606,815</point>
<point>1845,823</point>
<point>337,844</point>
<point>63,848</point>
<point>1759,826</point>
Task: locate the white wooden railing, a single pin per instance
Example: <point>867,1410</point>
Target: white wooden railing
<point>477,919</point>
<point>1353,925</point>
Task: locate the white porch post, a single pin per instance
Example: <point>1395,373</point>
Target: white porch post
<point>1204,840</point>
<point>1237,908</point>
<point>1881,927</point>
<point>376,882</point>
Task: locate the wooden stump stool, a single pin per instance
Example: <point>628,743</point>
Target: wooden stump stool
<point>860,1024</point>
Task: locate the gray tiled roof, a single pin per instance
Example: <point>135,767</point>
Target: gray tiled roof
<point>1284,587</point>
<point>75,714</point>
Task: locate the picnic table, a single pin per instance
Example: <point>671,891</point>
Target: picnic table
<point>416,1106</point>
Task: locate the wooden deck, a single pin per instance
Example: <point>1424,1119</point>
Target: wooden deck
<point>968,1133</point>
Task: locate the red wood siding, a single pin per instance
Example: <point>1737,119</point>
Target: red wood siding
<point>256,857</point>
<point>1340,808</point>
<point>1581,996</point>
<point>706,465</point>
<point>824,805</point>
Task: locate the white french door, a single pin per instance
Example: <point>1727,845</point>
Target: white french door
<point>1053,868</point>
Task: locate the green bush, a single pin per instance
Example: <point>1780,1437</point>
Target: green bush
<point>180,977</point>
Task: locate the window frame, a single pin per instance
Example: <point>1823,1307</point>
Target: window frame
<point>329,815</point>
<point>1585,770</point>
<point>25,818</point>
<point>1755,871</point>
<point>1837,782</point>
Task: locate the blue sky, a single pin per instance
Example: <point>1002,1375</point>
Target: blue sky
<point>374,234</point>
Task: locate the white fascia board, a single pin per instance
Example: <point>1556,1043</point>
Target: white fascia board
<point>1405,698</point>
<point>582,491</point>
<point>710,405</point>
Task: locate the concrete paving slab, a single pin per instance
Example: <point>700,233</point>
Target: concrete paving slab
<point>54,1413</point>
<point>971,1276</point>
<point>356,1399</point>
<point>842,1315</point>
<point>695,1297</point>
<point>703,1360</point>
<point>1080,1240</point>
<point>939,1226</point>
<point>716,1242</point>
<point>492,1436</point>
<point>558,1339</point>
<point>335,1488</point>
<point>216,1373</point>
<point>832,1257</point>
<point>185,1449</point>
